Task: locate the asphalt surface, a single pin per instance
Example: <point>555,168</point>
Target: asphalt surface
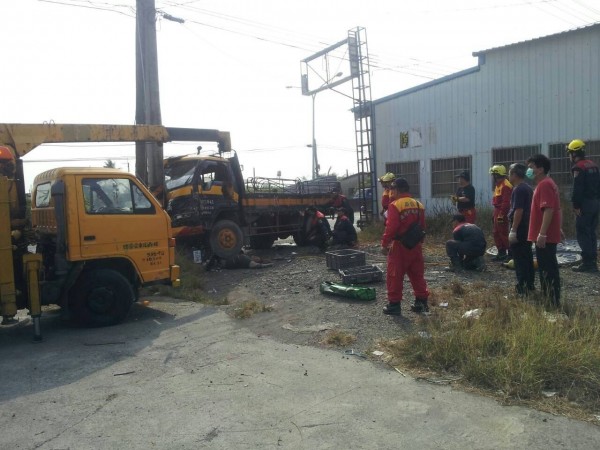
<point>180,375</point>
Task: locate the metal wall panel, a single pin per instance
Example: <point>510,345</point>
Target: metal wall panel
<point>537,92</point>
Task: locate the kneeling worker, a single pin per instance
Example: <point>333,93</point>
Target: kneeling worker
<point>344,232</point>
<point>467,247</point>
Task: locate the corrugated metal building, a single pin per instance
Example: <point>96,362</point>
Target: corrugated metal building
<point>521,99</point>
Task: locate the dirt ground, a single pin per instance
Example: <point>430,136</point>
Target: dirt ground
<point>302,315</point>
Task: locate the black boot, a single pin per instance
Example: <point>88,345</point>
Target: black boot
<point>455,265</point>
<point>420,305</point>
<point>586,266</point>
<point>392,309</point>
<point>500,257</point>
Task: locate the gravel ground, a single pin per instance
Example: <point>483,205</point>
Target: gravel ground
<point>302,315</point>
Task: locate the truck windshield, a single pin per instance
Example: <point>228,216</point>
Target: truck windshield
<point>179,174</point>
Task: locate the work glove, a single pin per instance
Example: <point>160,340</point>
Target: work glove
<point>500,219</point>
<point>512,237</point>
<point>454,199</point>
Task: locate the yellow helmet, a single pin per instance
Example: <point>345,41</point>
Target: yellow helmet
<point>498,169</point>
<point>387,177</point>
<point>576,145</point>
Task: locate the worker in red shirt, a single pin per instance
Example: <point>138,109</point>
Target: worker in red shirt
<point>341,201</point>
<point>501,203</point>
<point>401,261</point>
<point>545,226</point>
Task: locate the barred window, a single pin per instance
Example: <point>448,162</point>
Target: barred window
<point>560,163</point>
<point>509,155</point>
<point>443,174</point>
<point>410,171</point>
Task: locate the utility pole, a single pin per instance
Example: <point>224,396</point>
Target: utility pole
<point>148,156</point>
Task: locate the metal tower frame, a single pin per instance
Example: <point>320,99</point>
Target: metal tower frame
<point>361,96</point>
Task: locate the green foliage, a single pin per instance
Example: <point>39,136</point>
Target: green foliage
<point>371,233</point>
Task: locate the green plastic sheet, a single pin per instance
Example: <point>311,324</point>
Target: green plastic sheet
<point>342,290</point>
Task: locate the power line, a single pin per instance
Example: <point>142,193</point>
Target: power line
<point>90,6</point>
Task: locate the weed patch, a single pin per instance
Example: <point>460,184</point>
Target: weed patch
<point>338,338</point>
<point>514,349</point>
<point>248,308</point>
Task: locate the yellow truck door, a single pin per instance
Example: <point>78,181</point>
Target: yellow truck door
<point>119,218</point>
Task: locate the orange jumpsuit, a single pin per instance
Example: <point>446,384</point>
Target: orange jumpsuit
<point>501,203</point>
<point>401,261</point>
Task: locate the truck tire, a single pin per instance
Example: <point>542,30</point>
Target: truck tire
<point>101,297</point>
<point>262,241</point>
<point>226,239</point>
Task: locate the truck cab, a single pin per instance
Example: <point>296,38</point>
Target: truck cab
<point>102,236</point>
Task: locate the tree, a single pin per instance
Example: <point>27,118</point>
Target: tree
<point>110,164</point>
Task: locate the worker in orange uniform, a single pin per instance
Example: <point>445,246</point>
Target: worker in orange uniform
<point>501,203</point>
<point>404,258</point>
<point>386,182</point>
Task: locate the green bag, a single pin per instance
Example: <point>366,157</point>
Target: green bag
<point>342,290</point>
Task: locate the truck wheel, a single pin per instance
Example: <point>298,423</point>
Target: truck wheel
<point>262,242</point>
<point>226,239</point>
<point>101,297</point>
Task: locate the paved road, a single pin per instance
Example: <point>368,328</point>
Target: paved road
<point>185,376</point>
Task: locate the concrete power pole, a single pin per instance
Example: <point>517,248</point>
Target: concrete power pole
<point>148,156</point>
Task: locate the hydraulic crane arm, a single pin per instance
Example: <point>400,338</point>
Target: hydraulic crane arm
<point>25,137</point>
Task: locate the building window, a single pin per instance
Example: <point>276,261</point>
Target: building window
<point>443,174</point>
<point>560,163</point>
<point>410,171</point>
<point>510,155</point>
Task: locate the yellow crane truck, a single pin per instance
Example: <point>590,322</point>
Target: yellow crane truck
<point>98,234</point>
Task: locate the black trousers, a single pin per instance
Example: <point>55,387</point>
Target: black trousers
<point>522,254</point>
<point>461,249</point>
<point>548,271</point>
<point>585,225</point>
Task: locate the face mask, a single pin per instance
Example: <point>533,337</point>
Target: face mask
<point>529,174</point>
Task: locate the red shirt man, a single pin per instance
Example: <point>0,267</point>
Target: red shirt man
<point>545,226</point>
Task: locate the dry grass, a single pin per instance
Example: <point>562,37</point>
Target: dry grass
<point>338,338</point>
<point>248,308</point>
<point>515,350</point>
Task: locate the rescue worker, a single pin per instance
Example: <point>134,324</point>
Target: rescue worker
<point>340,201</point>
<point>344,232</point>
<point>501,204</point>
<point>545,226</point>
<point>518,216</point>
<point>467,246</point>
<point>317,230</point>
<point>401,261</point>
<point>464,199</point>
<point>386,181</point>
<point>586,191</point>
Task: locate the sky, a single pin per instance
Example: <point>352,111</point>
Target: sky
<point>234,65</point>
